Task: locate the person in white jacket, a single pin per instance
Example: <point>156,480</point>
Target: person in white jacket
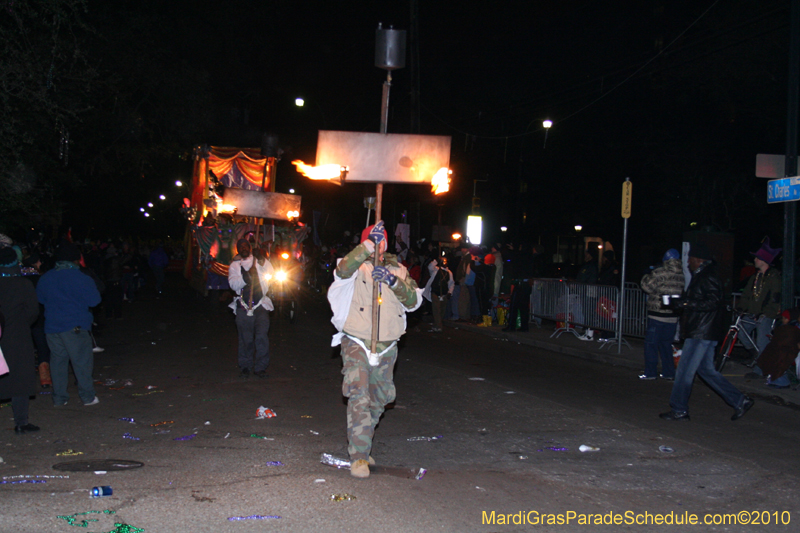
<point>437,291</point>
<point>250,278</point>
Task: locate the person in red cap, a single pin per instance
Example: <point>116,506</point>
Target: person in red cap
<point>761,299</point>
<point>368,381</point>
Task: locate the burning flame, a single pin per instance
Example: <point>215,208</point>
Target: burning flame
<point>440,183</point>
<point>323,172</point>
<point>292,214</point>
<point>226,208</point>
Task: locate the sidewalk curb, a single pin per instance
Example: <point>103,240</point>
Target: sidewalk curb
<point>604,356</point>
<point>629,358</point>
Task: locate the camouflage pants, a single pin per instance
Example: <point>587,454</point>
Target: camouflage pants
<point>368,390</point>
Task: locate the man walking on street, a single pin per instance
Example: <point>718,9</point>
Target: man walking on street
<point>702,304</point>
<point>368,381</point>
<point>67,295</point>
<point>249,277</point>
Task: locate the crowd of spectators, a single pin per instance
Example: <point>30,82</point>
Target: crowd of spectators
<point>119,268</point>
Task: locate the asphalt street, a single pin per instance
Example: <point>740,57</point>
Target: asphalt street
<point>497,422</point>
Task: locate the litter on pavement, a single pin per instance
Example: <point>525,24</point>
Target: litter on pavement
<point>428,439</point>
<point>254,517</point>
<point>264,412</point>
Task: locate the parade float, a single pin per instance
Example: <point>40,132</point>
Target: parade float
<point>232,196</point>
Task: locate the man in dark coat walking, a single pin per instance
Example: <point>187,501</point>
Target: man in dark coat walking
<point>702,305</point>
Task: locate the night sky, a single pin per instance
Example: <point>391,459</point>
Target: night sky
<point>678,95</point>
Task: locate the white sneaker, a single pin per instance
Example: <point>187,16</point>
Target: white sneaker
<point>98,349</point>
<point>588,336</point>
<point>93,402</point>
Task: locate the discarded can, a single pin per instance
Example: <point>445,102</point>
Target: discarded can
<point>665,449</point>
<point>330,460</point>
<point>99,492</point>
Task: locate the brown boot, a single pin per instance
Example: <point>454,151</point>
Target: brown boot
<point>359,468</point>
<point>44,375</point>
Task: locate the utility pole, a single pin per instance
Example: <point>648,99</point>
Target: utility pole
<point>790,208</point>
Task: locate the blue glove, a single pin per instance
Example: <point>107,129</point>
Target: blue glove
<point>376,234</point>
<point>382,274</point>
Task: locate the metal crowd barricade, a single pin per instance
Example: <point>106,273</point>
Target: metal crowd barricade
<point>571,304</point>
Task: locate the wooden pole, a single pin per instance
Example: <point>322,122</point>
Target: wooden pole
<point>376,315</point>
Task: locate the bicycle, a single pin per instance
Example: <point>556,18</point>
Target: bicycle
<point>726,348</point>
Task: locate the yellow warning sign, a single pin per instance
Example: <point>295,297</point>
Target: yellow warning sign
<point>627,187</point>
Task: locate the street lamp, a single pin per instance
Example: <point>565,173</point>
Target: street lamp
<point>578,228</point>
<point>178,183</point>
<point>301,102</point>
<point>546,124</point>
<point>474,229</point>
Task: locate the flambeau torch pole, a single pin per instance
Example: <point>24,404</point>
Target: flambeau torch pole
<point>390,54</point>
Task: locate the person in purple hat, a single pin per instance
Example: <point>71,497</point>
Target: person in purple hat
<point>761,299</point>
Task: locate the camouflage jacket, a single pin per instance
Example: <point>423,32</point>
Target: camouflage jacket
<point>666,279</point>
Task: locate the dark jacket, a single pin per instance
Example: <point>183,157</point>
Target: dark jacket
<point>67,294</point>
<point>440,286</point>
<point>20,308</point>
<point>764,299</point>
<point>609,274</point>
<point>588,273</point>
<point>703,305</point>
<point>780,353</point>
